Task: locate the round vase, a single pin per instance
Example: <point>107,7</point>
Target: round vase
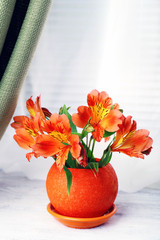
<point>91,194</point>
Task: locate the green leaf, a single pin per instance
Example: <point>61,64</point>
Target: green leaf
<point>105,158</point>
<point>84,134</point>
<point>70,161</point>
<point>107,134</point>
<point>93,165</point>
<point>65,111</point>
<point>89,152</point>
<point>76,133</point>
<point>69,178</point>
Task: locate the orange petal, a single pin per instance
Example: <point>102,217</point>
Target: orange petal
<point>38,106</point>
<point>34,108</point>
<point>116,106</point>
<point>81,118</point>
<point>135,146</point>
<point>138,139</point>
<point>92,97</point>
<point>107,139</point>
<point>58,123</point>
<point>30,107</point>
<point>75,147</point>
<point>126,128</point>
<point>141,140</point>
<point>23,138</point>
<point>66,125</point>
<point>112,120</point>
<point>62,157</point>
<point>131,152</point>
<point>46,146</point>
<point>82,159</point>
<point>29,156</point>
<point>98,133</point>
<point>98,97</point>
<point>18,122</point>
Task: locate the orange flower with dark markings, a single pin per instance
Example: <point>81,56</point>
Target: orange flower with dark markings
<point>24,139</point>
<point>34,108</point>
<point>26,131</point>
<point>130,141</point>
<point>59,140</point>
<point>28,128</point>
<point>35,111</point>
<point>101,112</point>
<point>19,122</point>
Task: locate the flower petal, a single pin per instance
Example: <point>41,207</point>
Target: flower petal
<point>46,146</point>
<point>23,138</point>
<point>62,157</point>
<point>58,123</point>
<point>140,139</point>
<point>75,146</point>
<point>30,107</point>
<point>111,121</point>
<point>98,97</point>
<point>134,145</point>
<point>98,133</point>
<point>34,108</point>
<point>82,159</point>
<point>19,122</point>
<point>29,156</point>
<point>81,118</point>
<point>131,152</point>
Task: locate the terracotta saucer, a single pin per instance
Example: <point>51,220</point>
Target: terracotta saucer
<point>82,222</point>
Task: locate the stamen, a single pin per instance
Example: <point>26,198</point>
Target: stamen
<point>59,136</point>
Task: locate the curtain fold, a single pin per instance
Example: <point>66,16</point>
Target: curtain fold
<point>19,13</point>
<point>20,59</point>
<point>6,11</point>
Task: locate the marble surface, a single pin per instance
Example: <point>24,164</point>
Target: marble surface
<point>23,214</point>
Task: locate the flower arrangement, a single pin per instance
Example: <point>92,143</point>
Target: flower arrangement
<point>46,134</point>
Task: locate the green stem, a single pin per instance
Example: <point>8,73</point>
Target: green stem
<point>87,141</point>
<point>93,146</point>
<point>103,155</point>
<point>90,140</point>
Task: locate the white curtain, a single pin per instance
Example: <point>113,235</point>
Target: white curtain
<point>110,45</point>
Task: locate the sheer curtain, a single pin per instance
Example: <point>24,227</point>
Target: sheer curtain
<point>130,72</point>
<point>108,45</point>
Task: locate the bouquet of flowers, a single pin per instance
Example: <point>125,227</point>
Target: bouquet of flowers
<point>55,135</point>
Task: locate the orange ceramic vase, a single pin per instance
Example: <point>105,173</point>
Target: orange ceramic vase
<point>90,195</point>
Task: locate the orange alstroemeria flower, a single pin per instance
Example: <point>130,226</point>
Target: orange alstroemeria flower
<point>24,139</point>
<point>102,113</point>
<point>19,122</point>
<point>35,111</point>
<point>27,129</point>
<point>34,108</point>
<point>31,125</point>
<point>59,140</point>
<point>130,141</point>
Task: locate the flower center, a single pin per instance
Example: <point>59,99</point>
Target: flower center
<point>32,112</point>
<point>99,112</point>
<point>59,136</point>
<point>31,132</point>
<point>124,138</point>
